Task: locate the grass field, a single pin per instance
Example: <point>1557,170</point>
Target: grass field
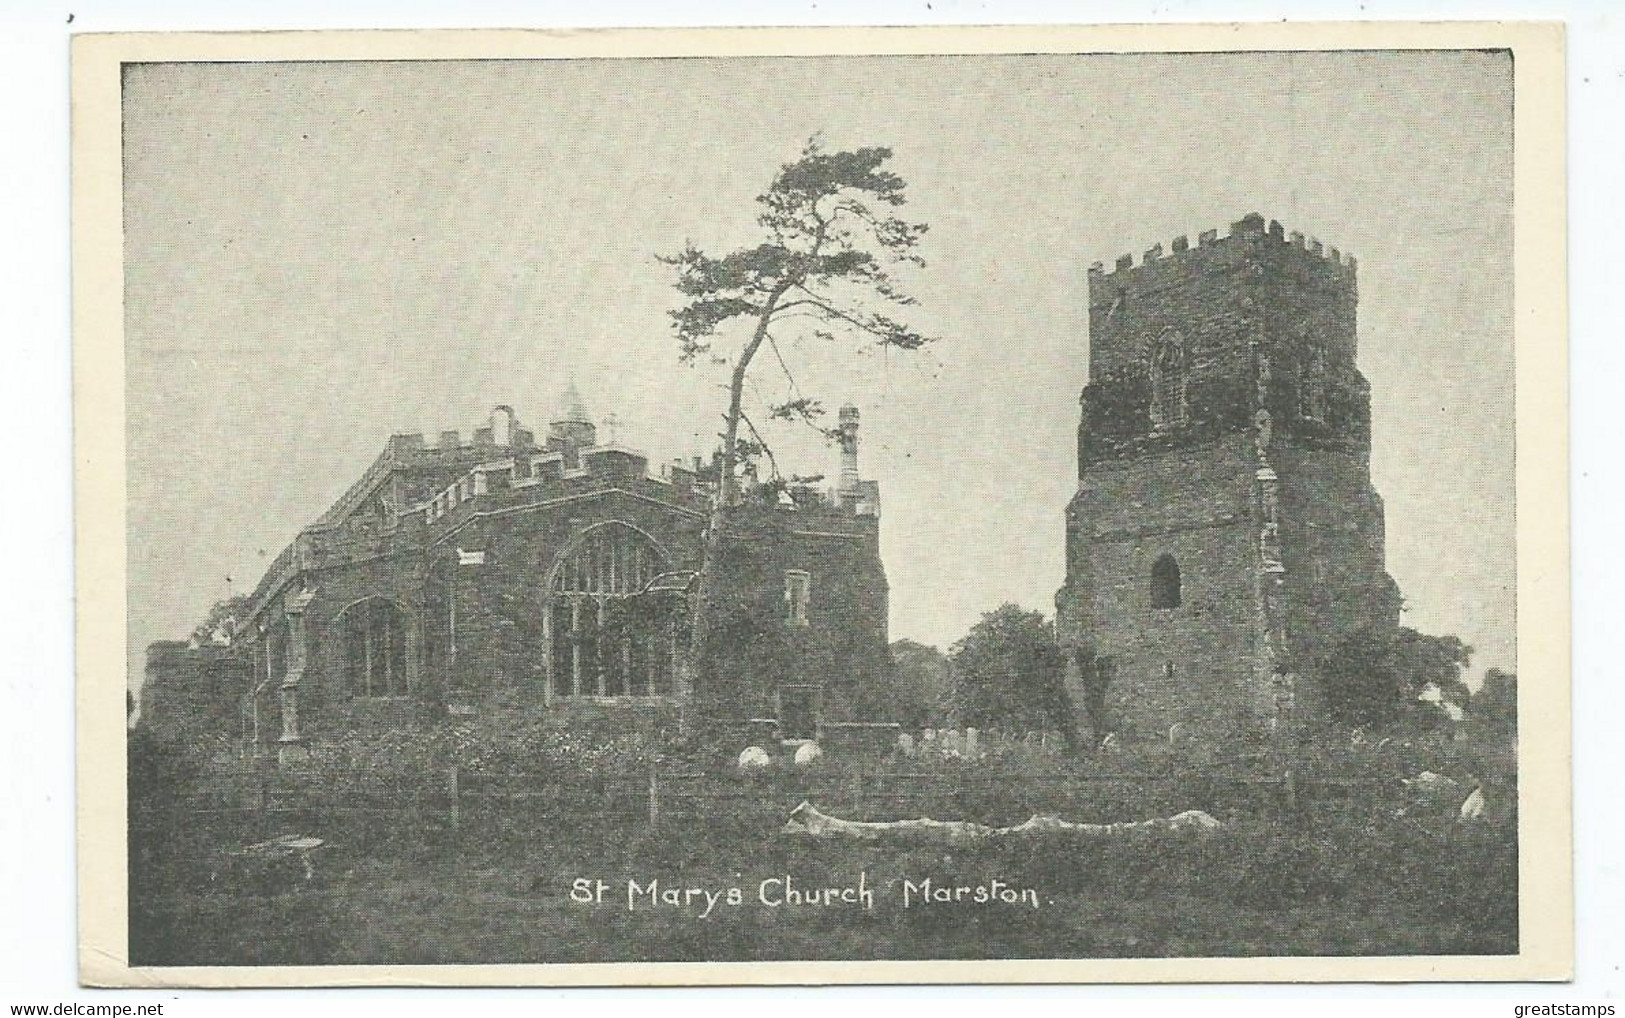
<point>1366,878</point>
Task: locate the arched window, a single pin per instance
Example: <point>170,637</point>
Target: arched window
<point>373,634</point>
<point>1165,583</point>
<point>605,639</point>
<point>1168,383</point>
<point>1312,384</point>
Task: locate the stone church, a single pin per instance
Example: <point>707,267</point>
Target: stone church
<point>1225,532</point>
<point>555,575</point>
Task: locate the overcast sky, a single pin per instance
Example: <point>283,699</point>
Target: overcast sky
<point>321,254</point>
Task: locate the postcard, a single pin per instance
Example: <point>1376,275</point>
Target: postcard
<point>742,506</point>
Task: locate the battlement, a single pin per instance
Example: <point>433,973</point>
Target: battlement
<point>539,474</point>
<point>535,468</point>
<point>412,445</point>
<point>1249,237</point>
<point>412,485</point>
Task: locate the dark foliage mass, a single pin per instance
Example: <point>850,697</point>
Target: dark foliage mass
<point>222,620</point>
<point>922,685</point>
<point>1496,702</point>
<point>1009,672</point>
<point>1377,674</point>
<point>1221,399</point>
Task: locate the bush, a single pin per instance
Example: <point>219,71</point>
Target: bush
<point>497,743</point>
<point>1375,675</point>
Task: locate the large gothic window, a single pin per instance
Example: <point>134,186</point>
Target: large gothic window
<point>1165,591</point>
<point>1168,383</point>
<point>374,648</point>
<point>606,640</point>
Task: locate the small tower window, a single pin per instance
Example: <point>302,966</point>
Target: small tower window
<point>1168,383</point>
<point>797,591</point>
<point>1312,385</point>
<point>1165,583</point>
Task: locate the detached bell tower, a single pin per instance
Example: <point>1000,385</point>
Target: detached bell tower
<point>1225,533</point>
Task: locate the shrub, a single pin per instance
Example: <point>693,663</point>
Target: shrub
<point>1374,676</point>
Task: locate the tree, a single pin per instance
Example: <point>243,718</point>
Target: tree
<point>222,620</point>
<point>921,686</point>
<point>1496,702</point>
<point>1433,660</point>
<point>1376,674</point>
<point>829,236</point>
<point>1009,672</point>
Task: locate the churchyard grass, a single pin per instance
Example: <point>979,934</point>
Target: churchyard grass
<point>1353,864</point>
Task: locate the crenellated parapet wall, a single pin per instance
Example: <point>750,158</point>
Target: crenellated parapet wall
<point>540,475</point>
<point>415,493</point>
<point>1250,239</point>
<point>547,476</point>
<point>412,447</point>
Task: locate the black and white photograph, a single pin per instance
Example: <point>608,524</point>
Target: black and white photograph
<point>896,500</point>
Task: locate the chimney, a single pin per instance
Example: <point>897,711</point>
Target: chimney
<point>504,424</point>
<point>848,428</point>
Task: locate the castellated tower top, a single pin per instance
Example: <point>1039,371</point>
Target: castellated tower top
<point>1258,284</point>
<point>1194,343</point>
<point>1249,236</point>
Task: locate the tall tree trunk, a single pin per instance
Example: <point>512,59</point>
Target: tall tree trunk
<point>702,650</point>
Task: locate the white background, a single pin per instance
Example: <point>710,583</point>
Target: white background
<point>37,935</point>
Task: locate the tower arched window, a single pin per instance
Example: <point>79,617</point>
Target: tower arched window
<point>1312,384</point>
<point>1168,383</point>
<point>1165,592</point>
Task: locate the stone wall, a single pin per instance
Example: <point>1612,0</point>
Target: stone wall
<point>192,690</point>
<point>1332,543</point>
<point>501,600</point>
<point>475,595</point>
<point>843,646</point>
<point>1191,663</point>
<point>1245,306</point>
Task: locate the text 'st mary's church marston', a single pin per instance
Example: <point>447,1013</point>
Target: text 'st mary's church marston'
<point>1225,534</point>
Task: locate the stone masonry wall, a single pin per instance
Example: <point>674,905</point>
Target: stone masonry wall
<point>326,706</point>
<point>844,645</point>
<point>501,602</point>
<point>1332,546</point>
<point>1193,504</point>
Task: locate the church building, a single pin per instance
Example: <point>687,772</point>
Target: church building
<point>556,574</point>
<point>1225,534</point>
